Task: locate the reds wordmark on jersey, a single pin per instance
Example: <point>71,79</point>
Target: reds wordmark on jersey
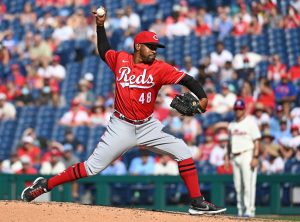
<point>137,85</point>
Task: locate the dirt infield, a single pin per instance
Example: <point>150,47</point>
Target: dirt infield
<point>17,211</point>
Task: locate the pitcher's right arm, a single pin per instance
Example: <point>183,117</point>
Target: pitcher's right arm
<point>102,41</point>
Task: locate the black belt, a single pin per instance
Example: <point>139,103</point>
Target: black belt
<point>237,154</point>
<point>134,122</point>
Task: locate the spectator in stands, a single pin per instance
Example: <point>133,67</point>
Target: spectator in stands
<point>37,141</point>
<point>76,116</point>
<point>10,42</point>
<point>191,143</point>
<point>160,112</point>
<point>247,95</point>
<point>10,90</point>
<point>219,150</point>
<point>207,147</point>
<point>276,70</point>
<point>293,165</point>
<point>158,27</point>
<point>85,95</point>
<point>226,168</point>
<point>202,28</point>
<point>275,119</point>
<point>142,165</point>
<point>189,68</point>
<point>294,71</point>
<point>240,27</point>
<point>57,71</point>
<point>270,152</point>
<point>273,19</point>
<point>25,98</point>
<point>99,116</point>
<point>16,76</point>
<point>68,157</point>
<point>28,148</point>
<point>295,116</point>
<point>3,9</point>
<point>285,92</point>
<point>227,73</point>
<point>49,94</point>
<point>245,62</point>
<point>63,32</point>
<point>25,45</point>
<point>78,147</point>
<point>266,95</point>
<point>223,25</point>
<point>292,19</point>
<point>117,168</point>
<point>190,15</point>
<point>53,147</point>
<point>260,115</point>
<point>128,41</point>
<point>286,151</point>
<point>191,126</point>
<point>54,165</point>
<point>174,123</point>
<point>27,167</point>
<point>294,142</point>
<point>79,25</point>
<point>46,21</point>
<point>4,55</point>
<point>223,102</point>
<point>34,81</point>
<point>208,18</point>
<point>130,19</point>
<point>255,28</point>
<point>284,131</point>
<point>165,166</point>
<point>7,109</point>
<point>40,50</point>
<point>177,27</point>
<point>90,78</point>
<point>11,165</point>
<point>273,163</point>
<point>115,22</point>
<point>220,56</point>
<point>28,18</point>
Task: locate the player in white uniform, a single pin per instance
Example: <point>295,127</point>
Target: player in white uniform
<point>244,151</point>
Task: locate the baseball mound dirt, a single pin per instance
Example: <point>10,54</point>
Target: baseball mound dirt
<point>17,211</point>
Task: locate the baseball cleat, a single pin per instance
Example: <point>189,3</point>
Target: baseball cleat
<point>38,187</point>
<point>200,206</point>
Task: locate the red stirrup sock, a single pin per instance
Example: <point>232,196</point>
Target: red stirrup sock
<point>188,173</point>
<point>72,173</point>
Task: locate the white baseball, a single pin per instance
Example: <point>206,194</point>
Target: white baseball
<point>100,11</point>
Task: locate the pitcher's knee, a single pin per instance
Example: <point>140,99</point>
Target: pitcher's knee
<point>93,169</point>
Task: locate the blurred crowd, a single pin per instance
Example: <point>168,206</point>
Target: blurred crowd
<point>32,74</point>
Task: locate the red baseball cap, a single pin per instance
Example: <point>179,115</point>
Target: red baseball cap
<point>147,37</point>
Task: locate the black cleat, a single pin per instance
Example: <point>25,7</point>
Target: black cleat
<point>200,206</point>
<point>38,187</point>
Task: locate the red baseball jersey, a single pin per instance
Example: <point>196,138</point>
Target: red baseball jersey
<point>137,85</point>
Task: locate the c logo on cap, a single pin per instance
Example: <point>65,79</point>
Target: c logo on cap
<point>155,37</point>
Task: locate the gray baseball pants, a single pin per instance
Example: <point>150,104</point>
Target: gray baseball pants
<point>120,136</point>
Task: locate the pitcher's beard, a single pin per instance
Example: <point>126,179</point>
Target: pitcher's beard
<point>149,59</point>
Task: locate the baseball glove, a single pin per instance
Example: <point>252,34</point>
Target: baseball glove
<point>186,104</point>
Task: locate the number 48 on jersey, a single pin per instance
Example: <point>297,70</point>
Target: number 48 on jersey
<point>145,97</point>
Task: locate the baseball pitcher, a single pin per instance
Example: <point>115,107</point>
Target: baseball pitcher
<point>138,77</point>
